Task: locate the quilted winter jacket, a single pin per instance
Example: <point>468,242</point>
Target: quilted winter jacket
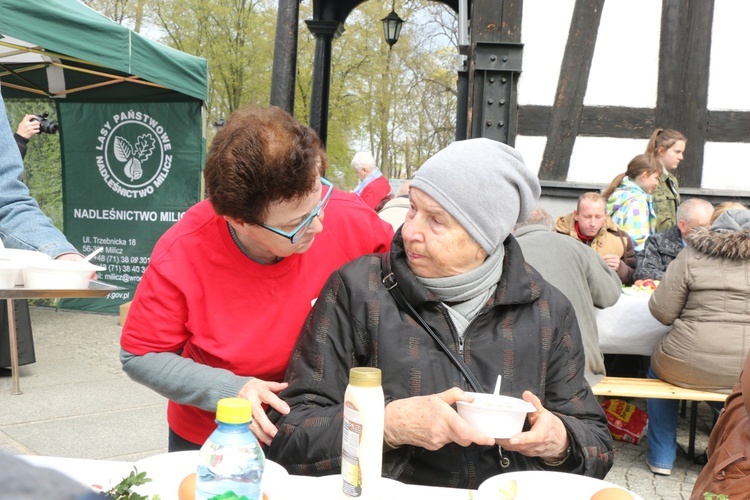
<point>632,209</point>
<point>705,294</point>
<point>527,331</point>
<point>609,240</point>
<point>660,249</point>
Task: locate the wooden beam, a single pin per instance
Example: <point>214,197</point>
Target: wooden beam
<point>682,94</point>
<point>595,121</point>
<point>565,116</point>
<point>633,123</point>
<point>727,126</point>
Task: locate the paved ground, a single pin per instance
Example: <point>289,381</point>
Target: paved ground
<point>76,402</point>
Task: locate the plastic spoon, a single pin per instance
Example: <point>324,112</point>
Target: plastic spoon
<point>93,254</point>
<point>504,461</point>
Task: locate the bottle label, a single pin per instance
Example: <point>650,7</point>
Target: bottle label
<point>225,461</point>
<point>350,470</point>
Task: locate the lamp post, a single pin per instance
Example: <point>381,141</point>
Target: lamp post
<point>392,27</point>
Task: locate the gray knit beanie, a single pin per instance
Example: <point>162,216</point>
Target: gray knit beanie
<point>484,185</point>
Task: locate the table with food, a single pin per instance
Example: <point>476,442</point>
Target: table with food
<point>231,464</point>
<point>628,327</point>
<point>167,473</point>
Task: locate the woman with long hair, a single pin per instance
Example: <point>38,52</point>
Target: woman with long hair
<point>666,147</point>
<point>629,201</point>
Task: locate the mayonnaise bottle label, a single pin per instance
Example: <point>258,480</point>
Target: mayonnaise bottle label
<point>350,469</point>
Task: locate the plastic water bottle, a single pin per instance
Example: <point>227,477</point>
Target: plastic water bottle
<point>231,460</point>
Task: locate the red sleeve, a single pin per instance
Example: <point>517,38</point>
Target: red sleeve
<point>375,191</point>
<point>157,317</point>
<point>351,219</point>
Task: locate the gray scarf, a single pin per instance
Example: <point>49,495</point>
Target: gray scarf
<point>465,294</point>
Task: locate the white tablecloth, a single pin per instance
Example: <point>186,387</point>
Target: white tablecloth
<point>628,327</point>
<point>167,471</point>
<point>106,473</point>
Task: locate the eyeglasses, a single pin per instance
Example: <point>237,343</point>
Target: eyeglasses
<point>300,230</point>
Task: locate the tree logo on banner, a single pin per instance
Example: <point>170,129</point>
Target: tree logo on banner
<point>136,157</point>
<point>133,156</point>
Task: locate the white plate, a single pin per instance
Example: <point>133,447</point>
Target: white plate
<point>532,485</point>
<point>167,471</point>
<point>637,293</point>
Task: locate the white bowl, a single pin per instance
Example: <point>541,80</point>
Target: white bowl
<point>498,416</point>
<point>59,275</point>
<point>9,272</point>
<point>22,258</point>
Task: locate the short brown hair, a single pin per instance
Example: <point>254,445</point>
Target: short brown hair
<point>261,156</point>
<point>591,196</point>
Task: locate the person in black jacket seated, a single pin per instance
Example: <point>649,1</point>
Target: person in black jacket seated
<point>662,248</point>
<point>460,269</point>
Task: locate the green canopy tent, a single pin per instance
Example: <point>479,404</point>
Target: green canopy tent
<point>131,128</point>
<point>63,48</point>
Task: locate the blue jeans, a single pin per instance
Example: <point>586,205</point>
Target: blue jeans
<point>22,224</point>
<point>662,429</point>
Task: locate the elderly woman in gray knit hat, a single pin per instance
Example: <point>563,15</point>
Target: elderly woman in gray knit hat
<point>454,269</point>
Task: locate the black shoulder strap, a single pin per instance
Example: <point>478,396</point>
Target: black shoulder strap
<point>390,283</point>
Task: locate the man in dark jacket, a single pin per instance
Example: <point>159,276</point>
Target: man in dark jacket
<point>459,268</point>
<point>662,248</point>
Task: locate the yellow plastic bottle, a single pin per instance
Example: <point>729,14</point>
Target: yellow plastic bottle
<point>362,442</point>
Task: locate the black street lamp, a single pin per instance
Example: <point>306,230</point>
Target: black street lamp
<point>392,27</point>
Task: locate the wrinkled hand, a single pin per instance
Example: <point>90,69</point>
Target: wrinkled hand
<point>430,422</point>
<point>547,438</point>
<point>73,257</point>
<point>259,391</point>
<point>28,126</point>
<point>612,261</point>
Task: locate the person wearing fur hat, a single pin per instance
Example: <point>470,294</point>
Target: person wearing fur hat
<point>704,295</point>
<point>456,265</point>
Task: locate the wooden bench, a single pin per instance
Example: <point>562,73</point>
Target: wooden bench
<point>658,389</point>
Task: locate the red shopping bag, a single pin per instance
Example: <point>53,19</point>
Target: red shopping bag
<point>626,421</point>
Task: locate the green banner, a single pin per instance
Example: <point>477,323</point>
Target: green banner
<point>130,171</point>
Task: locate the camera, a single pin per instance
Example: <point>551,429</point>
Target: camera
<point>46,126</point>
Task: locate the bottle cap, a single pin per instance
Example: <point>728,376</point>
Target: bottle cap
<point>234,411</point>
<point>365,376</point>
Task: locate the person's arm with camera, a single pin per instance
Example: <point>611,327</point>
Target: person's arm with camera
<point>22,223</point>
<point>29,126</point>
